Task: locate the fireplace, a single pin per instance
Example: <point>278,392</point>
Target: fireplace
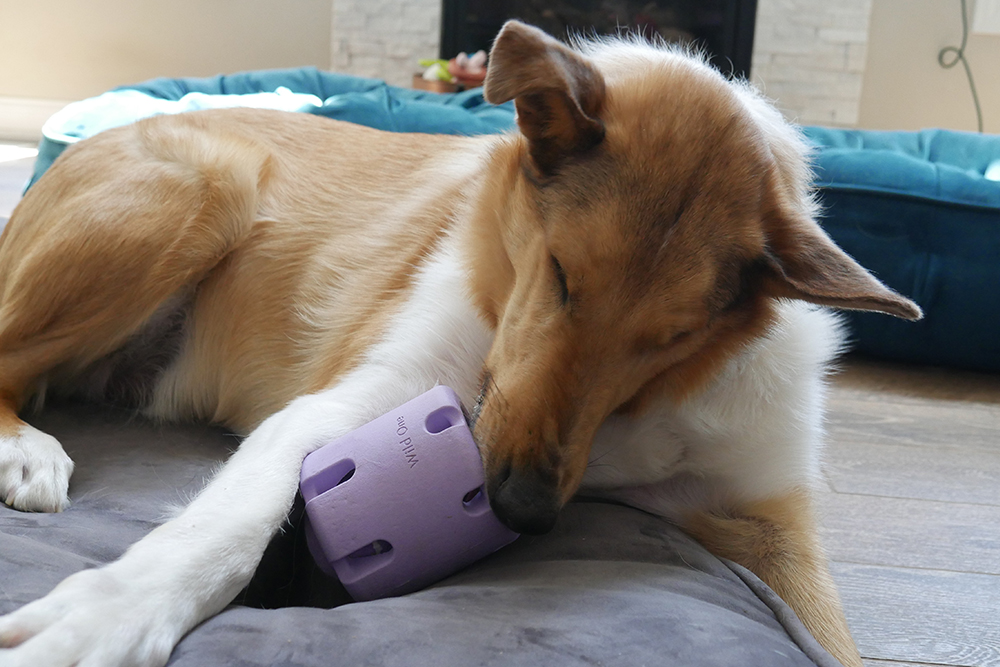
<point>724,28</point>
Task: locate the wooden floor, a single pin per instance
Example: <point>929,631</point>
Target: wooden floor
<point>911,512</point>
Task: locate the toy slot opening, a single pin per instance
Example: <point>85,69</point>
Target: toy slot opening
<point>338,473</point>
<point>475,501</point>
<point>376,548</point>
<point>363,563</point>
<point>443,418</point>
<point>347,475</point>
<point>328,478</point>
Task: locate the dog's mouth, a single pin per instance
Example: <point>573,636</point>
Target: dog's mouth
<point>525,460</point>
<point>472,416</point>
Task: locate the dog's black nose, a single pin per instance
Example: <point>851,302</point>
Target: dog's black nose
<point>525,500</point>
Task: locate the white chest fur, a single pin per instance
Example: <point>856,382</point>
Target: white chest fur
<point>755,431</point>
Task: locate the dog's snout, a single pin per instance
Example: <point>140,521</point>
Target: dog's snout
<point>526,500</point>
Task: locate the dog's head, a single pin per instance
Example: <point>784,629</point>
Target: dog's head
<point>647,216</point>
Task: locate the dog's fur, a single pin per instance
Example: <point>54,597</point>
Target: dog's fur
<point>617,290</point>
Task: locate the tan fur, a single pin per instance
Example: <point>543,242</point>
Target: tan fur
<point>78,272</point>
<point>10,425</point>
<point>776,540</point>
<point>219,217</point>
<point>296,239</point>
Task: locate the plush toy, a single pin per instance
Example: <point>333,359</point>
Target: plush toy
<point>399,503</point>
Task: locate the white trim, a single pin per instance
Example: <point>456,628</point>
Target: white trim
<point>21,118</point>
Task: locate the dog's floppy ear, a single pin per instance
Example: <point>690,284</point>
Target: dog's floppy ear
<point>805,264</point>
<point>557,92</point>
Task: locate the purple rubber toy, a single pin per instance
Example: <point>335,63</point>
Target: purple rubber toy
<point>399,503</point>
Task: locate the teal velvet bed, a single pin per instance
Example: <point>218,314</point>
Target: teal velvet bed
<point>918,209</point>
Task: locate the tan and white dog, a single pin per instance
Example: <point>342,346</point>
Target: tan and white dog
<point>622,282</point>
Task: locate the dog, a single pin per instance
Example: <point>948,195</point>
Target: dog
<point>627,292</point>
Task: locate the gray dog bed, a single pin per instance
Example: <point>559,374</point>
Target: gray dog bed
<point>609,586</point>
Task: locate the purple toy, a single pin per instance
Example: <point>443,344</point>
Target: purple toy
<point>399,503</point>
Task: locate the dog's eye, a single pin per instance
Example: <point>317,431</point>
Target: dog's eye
<point>679,337</point>
<point>561,279</point>
<point>656,344</point>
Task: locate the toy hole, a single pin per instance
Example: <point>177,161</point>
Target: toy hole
<point>475,502</point>
<point>349,474</point>
<point>443,419</point>
<point>375,548</point>
<point>328,478</point>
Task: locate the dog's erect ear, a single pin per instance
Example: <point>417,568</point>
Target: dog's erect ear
<point>807,265</point>
<point>557,92</point>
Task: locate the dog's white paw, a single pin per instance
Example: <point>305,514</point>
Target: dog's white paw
<point>34,471</point>
<point>95,618</point>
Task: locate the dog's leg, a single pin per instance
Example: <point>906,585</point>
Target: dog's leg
<point>776,540</point>
<point>133,611</point>
<point>92,251</point>
<point>34,469</point>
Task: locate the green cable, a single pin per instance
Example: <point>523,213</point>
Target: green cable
<point>959,57</point>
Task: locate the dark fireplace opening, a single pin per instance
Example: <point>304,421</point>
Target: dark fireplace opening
<point>723,28</point>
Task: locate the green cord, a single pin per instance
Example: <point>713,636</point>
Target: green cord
<point>959,57</point>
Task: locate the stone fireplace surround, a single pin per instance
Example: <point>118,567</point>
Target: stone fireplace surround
<point>809,55</point>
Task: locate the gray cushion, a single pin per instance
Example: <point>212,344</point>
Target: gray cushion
<point>610,585</point>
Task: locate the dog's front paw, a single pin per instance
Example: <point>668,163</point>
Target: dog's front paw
<point>34,471</point>
<point>95,618</point>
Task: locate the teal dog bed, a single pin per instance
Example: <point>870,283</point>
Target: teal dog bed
<point>921,210</point>
<point>915,208</point>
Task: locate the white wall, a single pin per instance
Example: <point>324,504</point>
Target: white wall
<point>68,49</point>
<point>873,63</point>
<point>810,55</point>
<point>53,51</point>
<point>906,89</point>
<point>385,39</point>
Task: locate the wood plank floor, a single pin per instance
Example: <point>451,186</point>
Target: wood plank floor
<point>911,514</point>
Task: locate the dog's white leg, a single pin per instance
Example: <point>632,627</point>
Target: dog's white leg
<point>34,471</point>
<point>133,611</point>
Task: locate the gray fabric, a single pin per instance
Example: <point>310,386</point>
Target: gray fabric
<point>610,585</point>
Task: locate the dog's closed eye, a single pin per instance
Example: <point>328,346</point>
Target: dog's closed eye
<point>659,344</point>
<point>560,274</point>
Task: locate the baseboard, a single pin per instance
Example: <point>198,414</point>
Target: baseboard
<point>21,118</point>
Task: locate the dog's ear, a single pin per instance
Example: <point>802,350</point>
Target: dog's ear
<point>806,264</point>
<point>558,94</point>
